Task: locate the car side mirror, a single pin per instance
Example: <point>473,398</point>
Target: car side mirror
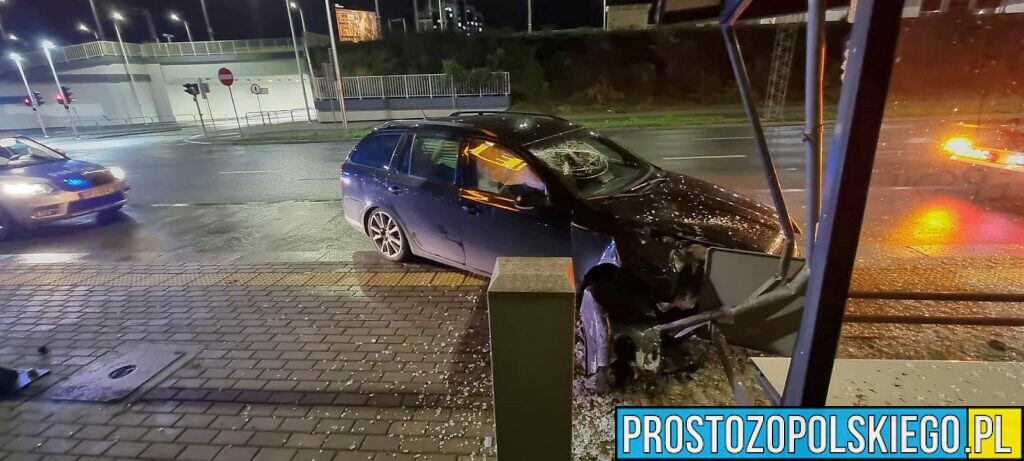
<point>532,198</point>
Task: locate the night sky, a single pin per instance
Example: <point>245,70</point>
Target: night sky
<point>34,20</point>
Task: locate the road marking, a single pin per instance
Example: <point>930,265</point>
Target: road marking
<point>705,157</point>
<point>726,138</point>
<point>248,172</point>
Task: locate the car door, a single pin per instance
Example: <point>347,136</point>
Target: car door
<point>424,194</point>
<point>493,224</point>
<point>364,174</point>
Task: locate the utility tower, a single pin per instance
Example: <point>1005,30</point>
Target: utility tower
<point>782,64</point>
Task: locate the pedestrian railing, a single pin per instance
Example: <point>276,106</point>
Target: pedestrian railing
<point>275,117</point>
<point>411,86</point>
<point>97,49</point>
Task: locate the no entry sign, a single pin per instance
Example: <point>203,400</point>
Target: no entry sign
<point>225,76</point>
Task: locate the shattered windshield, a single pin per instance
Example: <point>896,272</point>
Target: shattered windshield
<point>589,164</point>
<point>21,152</point>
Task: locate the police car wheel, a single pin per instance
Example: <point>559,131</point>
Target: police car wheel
<point>7,225</point>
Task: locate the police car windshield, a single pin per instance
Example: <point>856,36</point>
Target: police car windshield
<point>21,152</point>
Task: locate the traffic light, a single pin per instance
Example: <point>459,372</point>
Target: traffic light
<point>39,98</point>
<point>192,89</point>
<point>65,96</point>
<point>27,101</point>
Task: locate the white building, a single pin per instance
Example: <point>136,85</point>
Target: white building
<point>95,73</point>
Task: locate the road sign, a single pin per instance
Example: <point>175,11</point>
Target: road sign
<point>255,88</point>
<point>225,76</point>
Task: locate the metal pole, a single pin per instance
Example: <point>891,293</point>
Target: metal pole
<point>440,15</point>
<point>3,33</point>
<point>131,78</point>
<point>376,10</point>
<point>188,31</point>
<point>814,117</point>
<point>96,17</point>
<point>416,15</point>
<point>305,45</point>
<point>529,16</point>
<point>235,108</point>
<point>60,91</point>
<point>872,46</point>
<point>604,15</point>
<point>31,97</point>
<point>209,109</point>
<point>340,90</point>
<point>771,175</point>
<point>201,121</point>
<point>298,62</point>
<point>206,17</point>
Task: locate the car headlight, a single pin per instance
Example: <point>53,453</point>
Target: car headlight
<point>25,189</point>
<point>117,173</point>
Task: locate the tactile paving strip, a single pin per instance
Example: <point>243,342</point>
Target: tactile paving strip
<point>156,278</point>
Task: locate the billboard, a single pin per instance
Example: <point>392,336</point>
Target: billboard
<point>356,25</point>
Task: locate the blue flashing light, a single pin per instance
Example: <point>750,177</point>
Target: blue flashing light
<point>77,183</point>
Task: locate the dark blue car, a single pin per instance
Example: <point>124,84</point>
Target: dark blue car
<point>466,189</point>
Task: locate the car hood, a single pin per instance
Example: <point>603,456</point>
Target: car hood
<point>681,207</point>
<point>56,171</point>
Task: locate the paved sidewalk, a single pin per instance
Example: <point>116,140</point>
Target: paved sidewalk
<point>288,361</point>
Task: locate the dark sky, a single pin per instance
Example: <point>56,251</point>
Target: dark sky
<point>236,19</point>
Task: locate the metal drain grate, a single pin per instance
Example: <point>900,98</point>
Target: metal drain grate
<point>115,375</point>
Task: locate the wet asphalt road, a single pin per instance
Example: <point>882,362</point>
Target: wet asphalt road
<point>195,198</point>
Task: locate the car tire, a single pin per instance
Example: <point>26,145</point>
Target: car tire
<point>8,227</point>
<point>388,236</point>
<point>109,215</point>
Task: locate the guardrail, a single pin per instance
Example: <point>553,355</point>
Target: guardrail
<point>411,86</point>
<point>274,117</point>
<point>97,49</point>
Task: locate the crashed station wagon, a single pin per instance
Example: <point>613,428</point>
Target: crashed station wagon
<point>467,189</point>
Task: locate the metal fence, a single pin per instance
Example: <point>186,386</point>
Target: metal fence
<point>411,86</point>
<point>97,49</point>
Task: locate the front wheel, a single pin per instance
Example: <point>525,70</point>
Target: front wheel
<point>387,236</point>
<point>7,225</point>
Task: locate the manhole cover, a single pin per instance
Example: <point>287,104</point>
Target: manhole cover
<point>115,375</point>
<point>121,372</point>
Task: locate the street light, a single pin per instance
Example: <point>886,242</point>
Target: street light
<point>206,17</point>
<point>84,28</point>
<point>305,39</point>
<point>339,89</point>
<point>176,18</point>
<point>117,17</point>
<point>298,62</point>
<point>3,33</point>
<point>12,37</point>
<point>96,17</point>
<point>35,106</point>
<point>47,46</point>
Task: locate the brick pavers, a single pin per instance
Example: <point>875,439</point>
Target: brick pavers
<point>288,361</point>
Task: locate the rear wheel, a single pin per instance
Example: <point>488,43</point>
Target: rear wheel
<point>387,236</point>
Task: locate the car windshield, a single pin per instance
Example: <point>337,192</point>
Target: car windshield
<point>21,152</point>
<point>589,164</point>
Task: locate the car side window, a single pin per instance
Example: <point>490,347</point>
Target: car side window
<point>375,150</point>
<point>433,157</point>
<point>498,170</point>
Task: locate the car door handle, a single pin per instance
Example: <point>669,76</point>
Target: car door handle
<point>396,190</point>
<point>471,209</point>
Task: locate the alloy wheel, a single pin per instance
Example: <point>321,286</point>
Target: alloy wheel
<point>386,235</point>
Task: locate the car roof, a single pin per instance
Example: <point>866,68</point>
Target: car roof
<point>510,127</point>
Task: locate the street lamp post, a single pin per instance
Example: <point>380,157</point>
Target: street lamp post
<point>188,32</point>
<point>298,62</point>
<point>3,33</point>
<point>206,17</point>
<point>416,15</point>
<point>96,17</point>
<point>84,28</point>
<point>31,97</point>
<point>529,16</point>
<point>305,41</point>
<point>47,46</point>
<point>124,52</point>
<point>339,90</point>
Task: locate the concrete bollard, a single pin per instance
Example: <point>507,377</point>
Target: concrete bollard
<point>531,304</point>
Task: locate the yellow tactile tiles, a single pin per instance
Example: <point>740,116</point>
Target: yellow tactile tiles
<point>288,279</point>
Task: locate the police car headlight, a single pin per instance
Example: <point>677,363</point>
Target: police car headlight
<point>117,173</point>
<point>26,189</point>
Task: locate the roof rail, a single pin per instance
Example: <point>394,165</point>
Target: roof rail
<point>487,112</point>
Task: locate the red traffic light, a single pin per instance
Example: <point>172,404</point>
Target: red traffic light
<point>27,101</point>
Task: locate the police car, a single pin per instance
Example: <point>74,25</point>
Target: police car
<point>40,185</point>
